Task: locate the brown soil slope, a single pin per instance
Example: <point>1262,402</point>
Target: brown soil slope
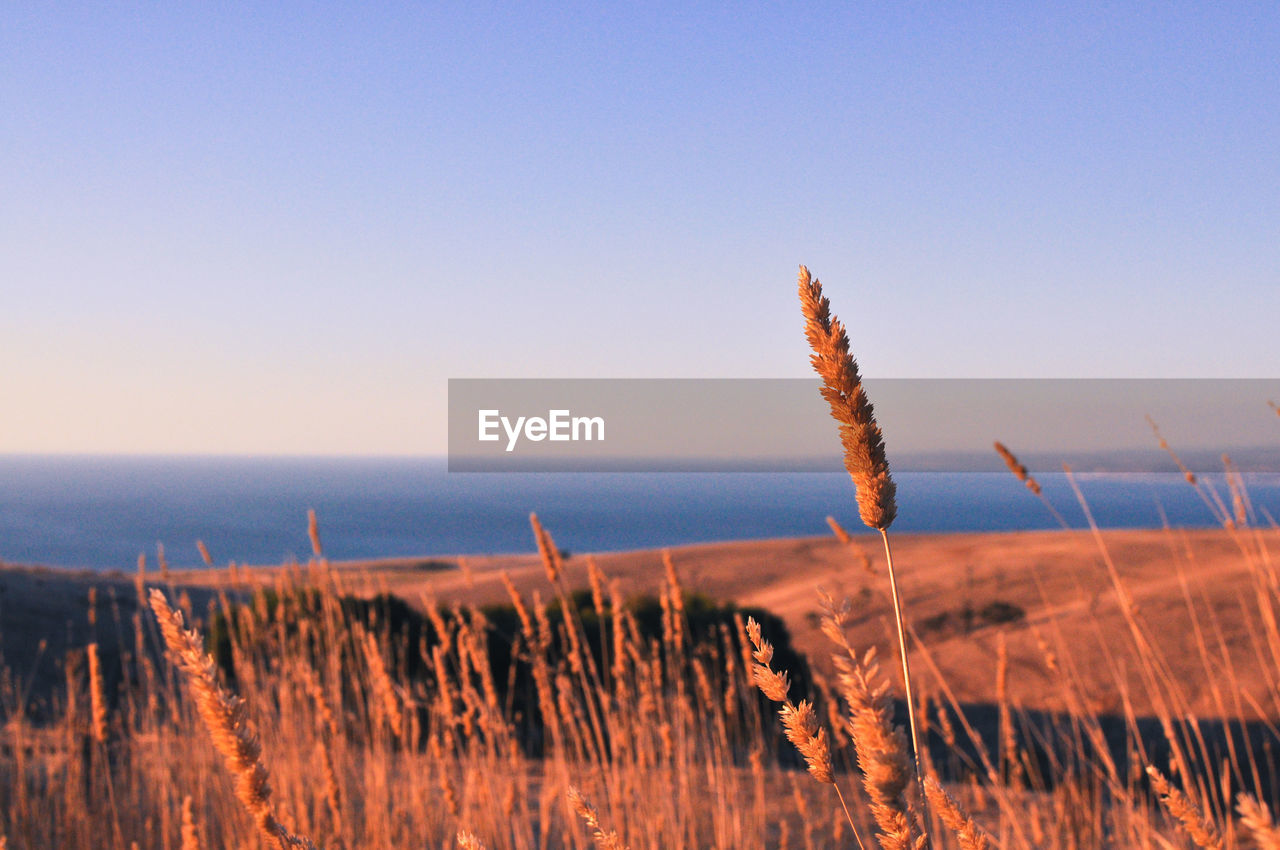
<point>1048,593</point>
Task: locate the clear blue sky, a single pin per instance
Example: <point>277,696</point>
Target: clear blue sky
<point>281,227</point>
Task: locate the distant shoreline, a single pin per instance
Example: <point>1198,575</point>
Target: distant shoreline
<point>103,514</point>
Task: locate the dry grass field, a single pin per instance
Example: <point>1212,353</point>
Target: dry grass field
<point>1068,689</point>
<point>342,775</point>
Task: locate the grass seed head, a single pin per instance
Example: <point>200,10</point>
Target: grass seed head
<point>864,453</point>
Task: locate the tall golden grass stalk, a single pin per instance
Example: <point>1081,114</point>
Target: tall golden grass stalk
<point>225,717</point>
<point>881,746</point>
<point>384,689</point>
<point>799,722</point>
<point>864,452</point>
<point>97,698</point>
<point>189,839</point>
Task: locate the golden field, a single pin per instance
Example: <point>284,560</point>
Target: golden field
<point>1073,689</point>
<point>703,764</point>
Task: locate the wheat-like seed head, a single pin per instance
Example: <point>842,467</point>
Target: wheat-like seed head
<point>522,611</point>
<point>384,688</point>
<point>881,746</point>
<point>802,729</point>
<point>551,561</point>
<point>774,685</point>
<point>970,835</point>
<point>605,839</point>
<point>799,722</point>
<point>864,454</point>
<point>227,721</point>
<point>1019,470</point>
<point>468,841</point>
<point>1256,817</point>
<point>1194,824</point>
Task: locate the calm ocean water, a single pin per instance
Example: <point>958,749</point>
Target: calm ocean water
<point>101,512</point>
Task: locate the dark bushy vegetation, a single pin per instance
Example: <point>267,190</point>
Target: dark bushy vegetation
<point>269,621</point>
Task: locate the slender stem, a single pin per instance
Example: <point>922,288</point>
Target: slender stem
<point>1061,521</point>
<point>849,817</point>
<point>906,667</point>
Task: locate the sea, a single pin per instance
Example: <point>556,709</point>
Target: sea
<point>101,512</point>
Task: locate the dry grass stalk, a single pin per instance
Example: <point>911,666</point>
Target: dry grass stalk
<point>1188,815</point>
<point>1256,817</point>
<point>596,579</point>
<point>838,530</point>
<point>844,537</point>
<point>225,717</point>
<point>1164,444</point>
<point>864,451</point>
<point>140,580</point>
<point>204,553</point>
<point>864,454</point>
<point>551,561</point>
<point>798,721</point>
<point>468,841</point>
<point>882,753</point>
<point>674,596</point>
<point>383,687</point>
<point>190,841</point>
<point>970,835</point>
<point>1010,761</point>
<point>1019,471</point>
<point>606,839</point>
<point>881,746</point>
<point>97,697</point>
<point>802,729</point>
<point>313,532</point>
<point>332,791</point>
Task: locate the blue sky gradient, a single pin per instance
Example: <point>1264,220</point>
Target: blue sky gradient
<point>283,227</point>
